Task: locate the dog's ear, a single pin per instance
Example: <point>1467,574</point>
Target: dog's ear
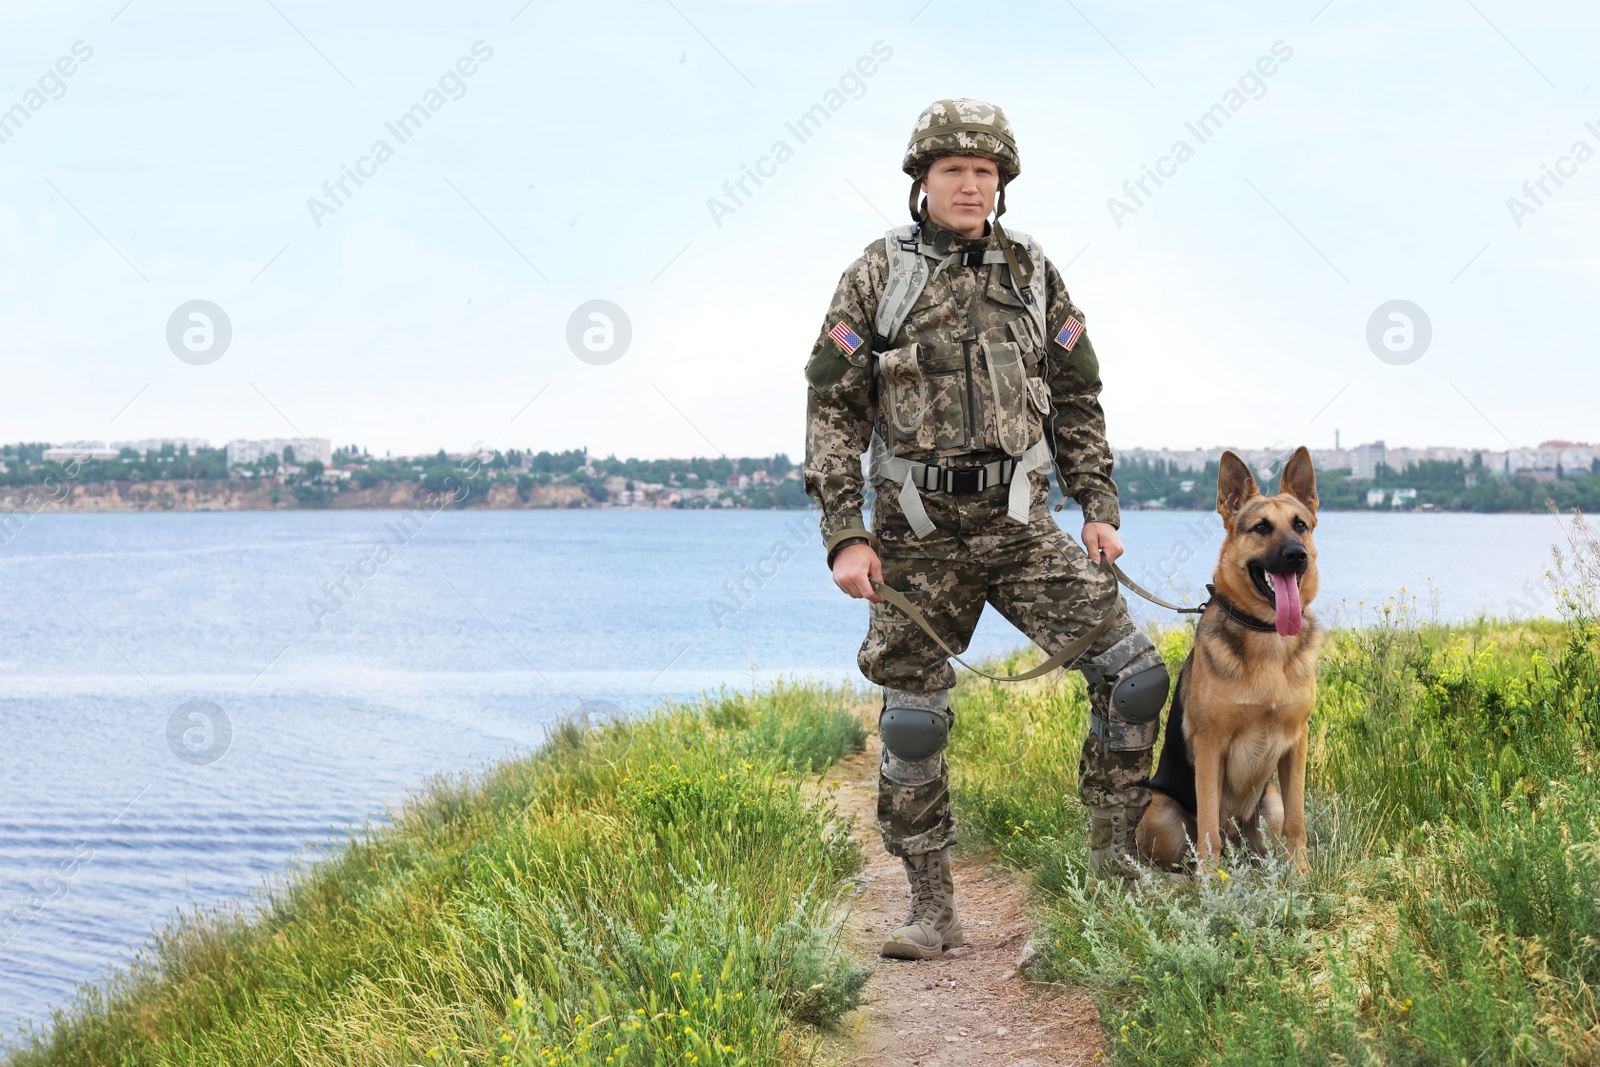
<point>1299,480</point>
<point>1235,486</point>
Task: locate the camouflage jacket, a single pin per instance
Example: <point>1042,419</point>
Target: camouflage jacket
<point>960,301</point>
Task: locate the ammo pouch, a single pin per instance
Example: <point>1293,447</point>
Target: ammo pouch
<point>902,390</point>
<point>1014,425</point>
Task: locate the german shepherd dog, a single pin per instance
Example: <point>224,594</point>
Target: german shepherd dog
<point>1242,706</point>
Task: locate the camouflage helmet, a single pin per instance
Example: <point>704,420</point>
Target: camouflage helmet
<point>962,128</point>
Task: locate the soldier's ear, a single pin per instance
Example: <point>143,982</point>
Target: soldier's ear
<point>1236,486</point>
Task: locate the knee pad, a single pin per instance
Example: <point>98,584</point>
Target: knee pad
<point>1133,682</point>
<point>1135,650</point>
<point>914,726</point>
<point>1139,697</point>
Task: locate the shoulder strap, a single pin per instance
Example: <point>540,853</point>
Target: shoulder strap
<point>908,275</point>
<point>1037,295</point>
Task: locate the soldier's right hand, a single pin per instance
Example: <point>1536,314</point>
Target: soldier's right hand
<point>854,566</point>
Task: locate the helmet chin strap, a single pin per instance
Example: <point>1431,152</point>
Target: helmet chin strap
<point>917,215</point>
<point>1017,259</point>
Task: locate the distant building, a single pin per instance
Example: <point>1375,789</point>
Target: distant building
<point>243,453</point>
<point>1375,498</point>
<point>1366,458</point>
<point>1567,456</point>
<point>81,451</point>
<point>159,444</point>
<point>1330,459</point>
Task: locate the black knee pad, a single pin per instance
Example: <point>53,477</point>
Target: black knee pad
<point>1140,696</point>
<point>913,734</point>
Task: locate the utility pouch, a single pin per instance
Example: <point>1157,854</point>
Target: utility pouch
<point>1022,330</point>
<point>903,391</point>
<point>1015,424</point>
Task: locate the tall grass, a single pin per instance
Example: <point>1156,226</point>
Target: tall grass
<point>640,892</point>
<point>1452,913</point>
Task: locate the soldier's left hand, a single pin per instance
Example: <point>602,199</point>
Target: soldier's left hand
<point>1101,537</point>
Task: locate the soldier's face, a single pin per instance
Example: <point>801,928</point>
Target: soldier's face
<point>961,191</point>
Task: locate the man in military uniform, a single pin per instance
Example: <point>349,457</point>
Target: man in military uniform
<point>953,356</point>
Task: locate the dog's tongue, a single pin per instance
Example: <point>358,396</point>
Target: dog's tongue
<point>1286,591</point>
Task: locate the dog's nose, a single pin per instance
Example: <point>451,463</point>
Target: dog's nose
<point>1295,555</point>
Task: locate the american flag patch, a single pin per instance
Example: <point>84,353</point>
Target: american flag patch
<point>845,338</point>
<point>1071,330</point>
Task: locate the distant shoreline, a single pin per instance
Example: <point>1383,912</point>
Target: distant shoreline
<point>204,495</point>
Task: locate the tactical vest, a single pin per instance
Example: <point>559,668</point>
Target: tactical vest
<point>948,387</point>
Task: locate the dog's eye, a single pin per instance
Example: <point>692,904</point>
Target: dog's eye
<point>1299,526</point>
<point>1262,527</point>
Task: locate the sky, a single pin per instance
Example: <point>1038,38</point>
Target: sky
<point>581,153</point>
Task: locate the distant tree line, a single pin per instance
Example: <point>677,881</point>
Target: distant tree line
<point>467,477</point>
<point>1446,485</point>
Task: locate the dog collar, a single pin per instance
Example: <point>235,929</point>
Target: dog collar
<point>1237,614</point>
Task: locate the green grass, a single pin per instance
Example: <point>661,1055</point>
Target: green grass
<point>1452,913</point>
<point>637,893</point>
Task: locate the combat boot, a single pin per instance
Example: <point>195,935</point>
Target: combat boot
<point>1112,851</point>
<point>932,925</point>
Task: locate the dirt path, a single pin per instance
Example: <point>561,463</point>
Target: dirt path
<point>970,1006</point>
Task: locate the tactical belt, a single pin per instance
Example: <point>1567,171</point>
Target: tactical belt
<point>913,476</point>
<point>963,479</point>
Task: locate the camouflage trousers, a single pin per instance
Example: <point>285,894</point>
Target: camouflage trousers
<point>1038,579</point>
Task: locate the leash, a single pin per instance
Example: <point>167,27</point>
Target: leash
<point>1137,588</point>
<point>1065,655</point>
<point>1070,652</point>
